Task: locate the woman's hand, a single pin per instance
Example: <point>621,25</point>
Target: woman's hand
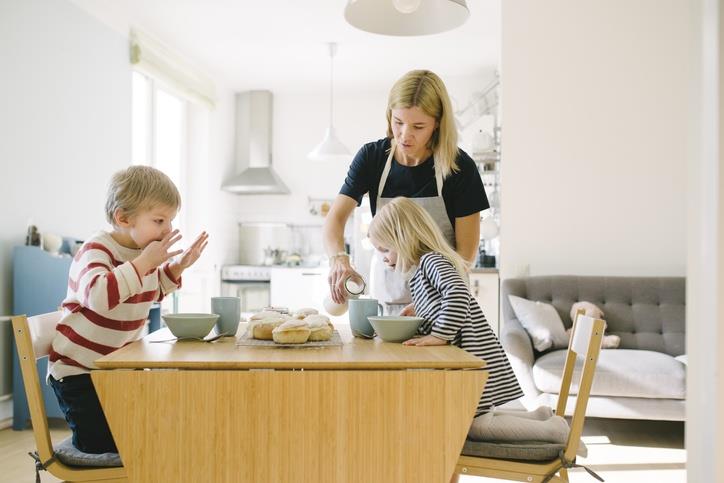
<point>339,272</point>
<point>409,310</point>
<point>426,340</point>
<point>333,232</point>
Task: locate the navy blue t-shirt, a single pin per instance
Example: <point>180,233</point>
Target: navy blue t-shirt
<point>462,191</point>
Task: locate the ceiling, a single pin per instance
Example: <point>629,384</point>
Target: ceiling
<point>281,44</point>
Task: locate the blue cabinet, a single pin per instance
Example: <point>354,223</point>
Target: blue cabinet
<point>40,282</point>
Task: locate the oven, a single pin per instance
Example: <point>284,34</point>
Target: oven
<point>252,284</point>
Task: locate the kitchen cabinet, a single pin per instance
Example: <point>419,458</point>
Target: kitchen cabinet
<point>485,287</point>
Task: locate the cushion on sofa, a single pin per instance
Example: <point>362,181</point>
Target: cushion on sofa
<point>542,323</point>
<point>619,372</point>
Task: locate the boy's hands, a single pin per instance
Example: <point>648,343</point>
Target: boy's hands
<point>192,253</point>
<point>156,253</point>
<point>426,340</point>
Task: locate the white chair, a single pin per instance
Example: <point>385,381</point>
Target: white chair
<point>33,336</point>
<point>533,462</point>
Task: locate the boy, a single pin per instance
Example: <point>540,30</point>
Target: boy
<point>113,280</point>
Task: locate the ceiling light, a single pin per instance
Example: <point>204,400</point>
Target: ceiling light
<point>406,6</point>
<point>406,17</point>
<point>331,148</point>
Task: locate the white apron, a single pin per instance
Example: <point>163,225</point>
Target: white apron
<point>391,287</point>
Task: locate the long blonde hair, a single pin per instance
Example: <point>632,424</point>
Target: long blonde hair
<point>424,89</point>
<point>405,227</point>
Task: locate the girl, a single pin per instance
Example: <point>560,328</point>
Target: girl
<point>411,243</point>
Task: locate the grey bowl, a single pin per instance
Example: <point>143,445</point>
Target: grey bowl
<point>190,325</point>
<point>395,328</point>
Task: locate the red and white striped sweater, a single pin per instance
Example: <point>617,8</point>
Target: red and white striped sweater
<point>106,306</point>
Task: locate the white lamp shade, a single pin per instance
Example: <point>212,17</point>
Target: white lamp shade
<point>382,17</point>
<point>330,149</point>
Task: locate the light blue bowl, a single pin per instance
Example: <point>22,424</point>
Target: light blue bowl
<point>395,328</point>
<point>190,325</point>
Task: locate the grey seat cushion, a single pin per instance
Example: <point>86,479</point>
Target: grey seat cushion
<point>619,372</point>
<point>68,454</point>
<point>520,450</point>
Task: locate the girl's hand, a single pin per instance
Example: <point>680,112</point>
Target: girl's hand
<point>409,310</point>
<point>192,253</point>
<point>426,340</point>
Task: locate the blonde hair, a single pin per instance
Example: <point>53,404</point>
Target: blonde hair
<point>424,89</point>
<point>408,229</point>
<point>140,188</point>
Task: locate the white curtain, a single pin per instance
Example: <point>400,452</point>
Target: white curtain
<point>152,58</point>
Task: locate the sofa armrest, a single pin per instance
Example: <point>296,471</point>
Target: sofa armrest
<point>516,342</point>
<point>518,346</point>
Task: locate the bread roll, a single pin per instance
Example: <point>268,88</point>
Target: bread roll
<point>316,320</point>
<point>320,334</point>
<point>265,314</point>
<point>304,312</point>
<point>292,331</point>
<point>320,326</point>
<point>262,329</point>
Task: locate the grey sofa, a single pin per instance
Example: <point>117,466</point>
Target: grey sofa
<point>642,379</point>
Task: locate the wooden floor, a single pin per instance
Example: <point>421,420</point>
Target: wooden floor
<point>621,451</point>
<point>15,464</point>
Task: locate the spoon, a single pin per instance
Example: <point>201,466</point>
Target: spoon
<point>211,339</point>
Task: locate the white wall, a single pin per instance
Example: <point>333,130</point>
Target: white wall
<point>65,123</point>
<point>705,270</point>
<point>595,112</point>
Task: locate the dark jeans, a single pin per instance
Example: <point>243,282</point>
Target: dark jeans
<point>79,402</point>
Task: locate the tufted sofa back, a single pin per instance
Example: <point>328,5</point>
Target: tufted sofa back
<point>646,312</point>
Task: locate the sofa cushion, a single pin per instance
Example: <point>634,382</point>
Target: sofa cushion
<point>619,372</point>
<point>542,323</point>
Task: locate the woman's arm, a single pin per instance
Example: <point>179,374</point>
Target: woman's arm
<point>333,233</point>
<point>467,236</point>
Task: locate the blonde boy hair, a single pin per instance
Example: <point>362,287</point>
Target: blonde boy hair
<point>424,89</point>
<point>140,188</point>
<point>407,228</point>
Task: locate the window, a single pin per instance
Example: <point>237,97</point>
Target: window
<point>159,132</point>
<point>159,139</point>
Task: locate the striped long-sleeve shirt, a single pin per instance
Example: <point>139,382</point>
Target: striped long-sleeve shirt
<point>442,298</point>
<point>106,305</point>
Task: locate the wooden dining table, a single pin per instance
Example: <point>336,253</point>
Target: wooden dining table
<point>368,411</point>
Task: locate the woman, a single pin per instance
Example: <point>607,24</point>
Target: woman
<point>419,159</point>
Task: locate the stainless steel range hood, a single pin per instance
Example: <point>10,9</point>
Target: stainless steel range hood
<point>253,151</point>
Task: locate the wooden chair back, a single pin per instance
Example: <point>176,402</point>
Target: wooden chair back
<point>585,343</point>
<point>33,336</point>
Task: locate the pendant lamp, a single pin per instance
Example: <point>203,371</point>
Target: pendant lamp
<point>331,148</point>
<point>406,17</point>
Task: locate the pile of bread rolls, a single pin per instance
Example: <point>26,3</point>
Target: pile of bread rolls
<point>304,325</point>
